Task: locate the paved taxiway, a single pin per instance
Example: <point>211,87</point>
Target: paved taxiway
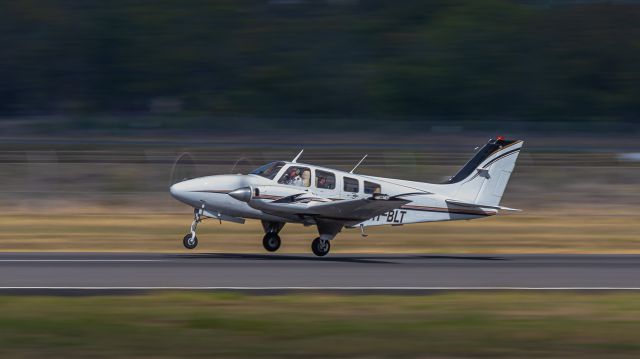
<point>336,271</point>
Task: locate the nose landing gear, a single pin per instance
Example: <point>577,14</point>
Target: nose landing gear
<point>190,240</point>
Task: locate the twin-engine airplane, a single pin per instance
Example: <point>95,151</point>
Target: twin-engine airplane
<point>291,192</point>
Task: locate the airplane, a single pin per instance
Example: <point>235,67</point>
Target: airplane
<point>291,192</point>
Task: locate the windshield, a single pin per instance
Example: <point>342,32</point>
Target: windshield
<point>269,170</point>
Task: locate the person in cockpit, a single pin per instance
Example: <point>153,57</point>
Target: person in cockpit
<point>294,177</point>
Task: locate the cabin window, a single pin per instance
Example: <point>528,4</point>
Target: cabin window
<point>326,180</point>
<point>351,185</point>
<point>270,170</point>
<point>296,176</point>
<point>371,188</point>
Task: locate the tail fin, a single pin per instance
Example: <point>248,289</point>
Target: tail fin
<point>484,178</point>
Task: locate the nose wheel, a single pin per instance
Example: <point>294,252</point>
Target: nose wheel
<point>320,247</point>
<point>190,241</point>
<point>271,242</point>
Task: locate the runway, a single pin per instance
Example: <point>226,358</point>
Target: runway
<point>128,271</point>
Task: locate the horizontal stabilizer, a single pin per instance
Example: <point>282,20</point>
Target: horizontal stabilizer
<point>478,205</point>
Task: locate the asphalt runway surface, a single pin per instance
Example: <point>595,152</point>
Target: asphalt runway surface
<point>128,271</point>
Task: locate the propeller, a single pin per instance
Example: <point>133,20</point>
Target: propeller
<point>184,168</point>
<point>242,165</point>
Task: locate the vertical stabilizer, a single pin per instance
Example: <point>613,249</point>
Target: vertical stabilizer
<point>484,178</point>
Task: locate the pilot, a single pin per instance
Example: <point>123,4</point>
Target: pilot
<point>294,177</point>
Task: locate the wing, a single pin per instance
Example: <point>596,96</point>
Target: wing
<point>350,210</point>
<point>356,209</point>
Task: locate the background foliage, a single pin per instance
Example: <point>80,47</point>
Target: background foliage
<point>411,59</point>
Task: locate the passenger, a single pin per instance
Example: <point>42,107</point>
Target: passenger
<point>306,178</point>
<point>322,182</point>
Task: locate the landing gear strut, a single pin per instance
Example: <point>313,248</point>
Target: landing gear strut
<point>320,247</point>
<point>190,240</point>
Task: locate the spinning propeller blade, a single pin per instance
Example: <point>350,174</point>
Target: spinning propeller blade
<point>184,168</point>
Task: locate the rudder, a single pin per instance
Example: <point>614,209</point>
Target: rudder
<point>484,178</point>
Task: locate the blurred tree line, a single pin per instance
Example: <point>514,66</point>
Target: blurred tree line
<point>321,58</point>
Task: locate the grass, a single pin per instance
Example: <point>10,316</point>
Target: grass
<point>454,325</point>
<point>519,233</point>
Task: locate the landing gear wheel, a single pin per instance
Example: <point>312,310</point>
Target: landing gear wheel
<point>271,242</point>
<point>190,242</point>
<point>320,247</point>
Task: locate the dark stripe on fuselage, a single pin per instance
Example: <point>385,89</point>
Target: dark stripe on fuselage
<point>420,209</point>
<point>266,196</point>
<point>221,191</point>
<point>447,210</point>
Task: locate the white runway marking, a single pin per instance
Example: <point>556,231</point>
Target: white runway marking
<point>327,288</point>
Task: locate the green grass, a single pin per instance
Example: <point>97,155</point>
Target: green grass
<point>176,325</point>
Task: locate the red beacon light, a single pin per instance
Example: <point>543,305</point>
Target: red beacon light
<point>500,138</point>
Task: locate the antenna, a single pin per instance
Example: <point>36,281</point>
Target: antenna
<point>295,160</point>
<point>358,164</point>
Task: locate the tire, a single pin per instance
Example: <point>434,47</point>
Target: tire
<point>188,243</point>
<point>271,242</point>
<point>320,248</point>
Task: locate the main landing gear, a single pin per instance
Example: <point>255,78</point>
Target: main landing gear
<point>271,240</point>
<point>328,229</point>
<point>320,247</point>
<point>190,240</point>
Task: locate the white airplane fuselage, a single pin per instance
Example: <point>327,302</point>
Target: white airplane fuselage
<point>426,205</point>
<point>292,192</point>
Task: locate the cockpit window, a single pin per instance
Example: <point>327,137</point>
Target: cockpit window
<point>296,176</point>
<point>269,170</point>
<point>326,180</point>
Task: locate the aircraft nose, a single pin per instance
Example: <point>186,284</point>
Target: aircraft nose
<point>208,189</point>
<point>177,190</point>
<point>184,192</point>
